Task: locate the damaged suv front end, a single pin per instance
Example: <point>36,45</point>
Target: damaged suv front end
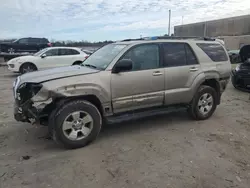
<point>29,105</point>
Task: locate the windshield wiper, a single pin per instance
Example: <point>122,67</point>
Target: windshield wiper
<point>88,65</point>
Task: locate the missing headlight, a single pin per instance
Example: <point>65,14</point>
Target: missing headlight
<point>27,90</point>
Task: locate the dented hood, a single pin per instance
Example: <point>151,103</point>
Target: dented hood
<point>245,53</point>
<point>56,73</point>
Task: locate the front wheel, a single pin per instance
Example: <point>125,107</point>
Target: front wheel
<point>76,124</point>
<point>204,103</point>
<point>27,67</point>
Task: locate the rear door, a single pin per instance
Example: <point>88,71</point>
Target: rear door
<point>181,69</point>
<point>33,44</point>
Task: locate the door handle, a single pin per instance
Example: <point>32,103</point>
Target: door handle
<point>193,69</point>
<point>157,73</point>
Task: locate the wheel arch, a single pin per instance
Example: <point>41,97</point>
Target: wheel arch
<point>77,62</point>
<point>214,83</point>
<point>33,64</point>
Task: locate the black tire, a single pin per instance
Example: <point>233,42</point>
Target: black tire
<point>27,67</point>
<point>77,63</point>
<point>67,109</point>
<point>193,109</point>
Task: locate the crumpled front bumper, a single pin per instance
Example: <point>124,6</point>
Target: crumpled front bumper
<point>21,112</point>
<point>30,110</point>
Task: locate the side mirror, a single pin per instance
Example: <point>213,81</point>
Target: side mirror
<point>43,56</point>
<point>122,66</point>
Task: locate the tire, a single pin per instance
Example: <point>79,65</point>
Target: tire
<point>77,63</point>
<point>27,67</point>
<point>73,135</point>
<point>200,99</point>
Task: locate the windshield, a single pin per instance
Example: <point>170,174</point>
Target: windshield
<point>103,57</point>
<point>40,52</point>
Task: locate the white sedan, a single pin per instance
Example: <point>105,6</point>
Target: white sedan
<point>47,58</point>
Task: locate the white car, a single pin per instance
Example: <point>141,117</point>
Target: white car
<point>47,58</point>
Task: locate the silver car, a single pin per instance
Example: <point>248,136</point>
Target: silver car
<point>127,79</point>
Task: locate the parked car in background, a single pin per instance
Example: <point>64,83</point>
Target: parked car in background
<point>47,58</point>
<point>135,78</point>
<point>234,56</point>
<point>25,45</point>
<point>241,74</point>
<point>88,52</point>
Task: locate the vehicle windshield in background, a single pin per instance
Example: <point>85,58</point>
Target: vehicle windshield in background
<point>40,52</point>
<point>87,52</point>
<point>103,57</point>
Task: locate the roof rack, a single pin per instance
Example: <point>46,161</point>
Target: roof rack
<point>184,37</point>
<point>125,40</point>
<point>170,37</point>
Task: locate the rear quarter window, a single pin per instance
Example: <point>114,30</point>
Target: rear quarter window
<point>214,51</point>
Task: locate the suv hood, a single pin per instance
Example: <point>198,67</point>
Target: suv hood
<point>56,73</point>
<point>245,53</point>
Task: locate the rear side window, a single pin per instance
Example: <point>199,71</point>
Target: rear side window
<point>65,51</point>
<point>33,41</point>
<point>178,54</point>
<point>174,54</point>
<point>74,52</point>
<point>214,51</point>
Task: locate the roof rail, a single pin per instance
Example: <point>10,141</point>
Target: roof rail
<point>170,37</point>
<point>184,37</point>
<point>132,39</point>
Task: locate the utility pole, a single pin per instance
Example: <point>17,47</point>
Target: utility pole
<point>169,22</point>
<point>205,29</point>
<point>182,20</point>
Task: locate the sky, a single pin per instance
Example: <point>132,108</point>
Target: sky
<point>98,20</point>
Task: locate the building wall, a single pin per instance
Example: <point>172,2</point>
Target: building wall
<point>235,42</point>
<point>224,27</point>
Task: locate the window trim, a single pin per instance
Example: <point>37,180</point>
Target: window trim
<point>193,52</point>
<point>135,46</point>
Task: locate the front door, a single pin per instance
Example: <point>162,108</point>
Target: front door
<point>143,86</point>
<point>181,69</point>
<point>50,60</point>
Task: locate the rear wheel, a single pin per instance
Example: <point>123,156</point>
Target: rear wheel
<point>204,103</point>
<point>76,124</point>
<point>27,67</point>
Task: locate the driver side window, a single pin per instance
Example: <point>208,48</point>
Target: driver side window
<point>144,57</point>
<point>52,52</point>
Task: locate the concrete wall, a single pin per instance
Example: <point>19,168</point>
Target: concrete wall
<point>224,27</point>
<point>235,42</point>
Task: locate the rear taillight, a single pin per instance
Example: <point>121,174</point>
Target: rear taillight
<point>49,44</point>
<point>86,57</point>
